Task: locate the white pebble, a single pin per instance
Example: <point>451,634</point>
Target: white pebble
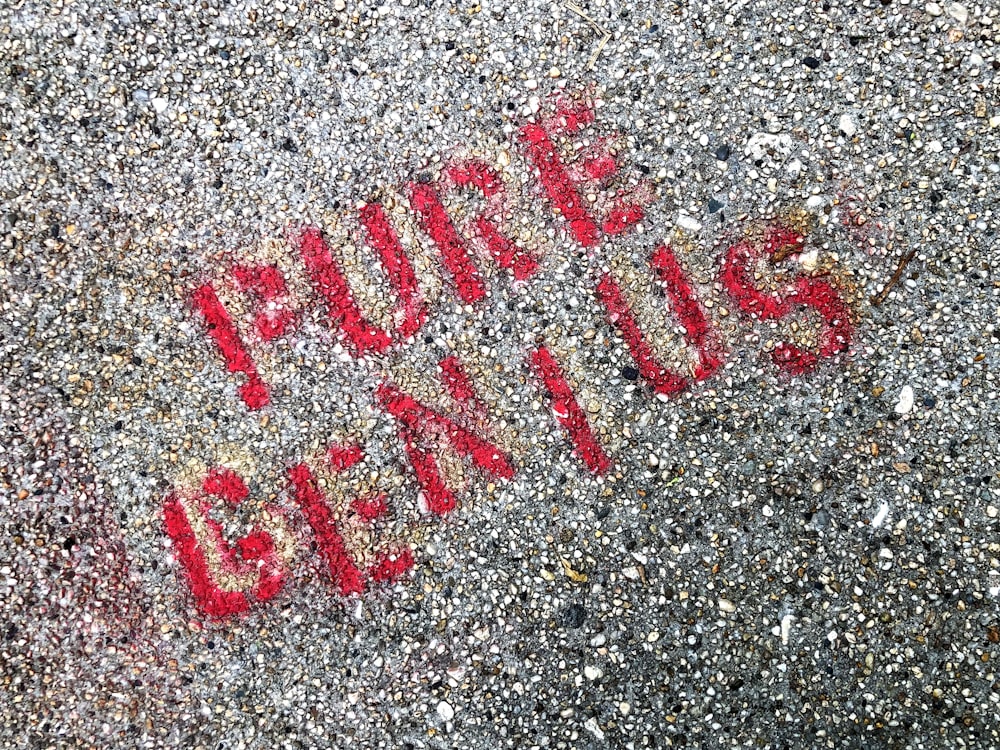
<point>847,125</point>
<point>809,260</point>
<point>786,628</point>
<point>594,728</point>
<point>339,5</point>
<point>159,104</point>
<point>958,12</point>
<point>592,673</point>
<point>933,9</point>
<point>726,606</point>
<point>445,711</point>
<point>688,222</point>
<point>905,403</point>
<point>880,516</point>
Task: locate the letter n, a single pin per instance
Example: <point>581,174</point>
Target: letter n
<point>425,431</point>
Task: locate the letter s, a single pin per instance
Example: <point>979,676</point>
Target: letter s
<point>737,278</point>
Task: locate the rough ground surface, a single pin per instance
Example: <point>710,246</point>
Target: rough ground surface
<point>773,561</point>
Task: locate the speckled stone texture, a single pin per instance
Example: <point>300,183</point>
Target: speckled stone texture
<point>770,556</point>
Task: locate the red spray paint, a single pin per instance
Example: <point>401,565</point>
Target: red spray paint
<point>211,564</point>
<point>504,251</point>
<point>254,554</point>
<point>331,284</point>
<point>568,412</point>
<point>268,286</point>
<point>222,330</point>
<point>619,313</point>
<point>689,312</point>
<point>737,277</point>
<point>421,429</point>
<point>341,564</point>
<point>435,221</point>
<point>565,187</point>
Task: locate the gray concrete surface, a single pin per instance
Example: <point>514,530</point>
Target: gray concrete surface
<point>773,561</point>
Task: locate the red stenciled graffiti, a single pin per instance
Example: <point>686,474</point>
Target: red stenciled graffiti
<point>567,411</point>
<point>456,258</point>
<point>397,267</point>
<point>737,278</point>
<point>222,330</point>
<point>423,430</point>
<point>343,457</point>
<point>620,314</point>
<point>689,312</point>
<point>253,558</point>
<point>504,251</point>
<point>345,573</point>
<point>315,505</point>
<point>623,217</point>
<point>558,185</point>
<point>563,187</point>
<point>370,508</point>
<point>331,284</point>
<point>457,382</point>
<point>391,566</point>
<point>267,284</point>
<point>227,579</point>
